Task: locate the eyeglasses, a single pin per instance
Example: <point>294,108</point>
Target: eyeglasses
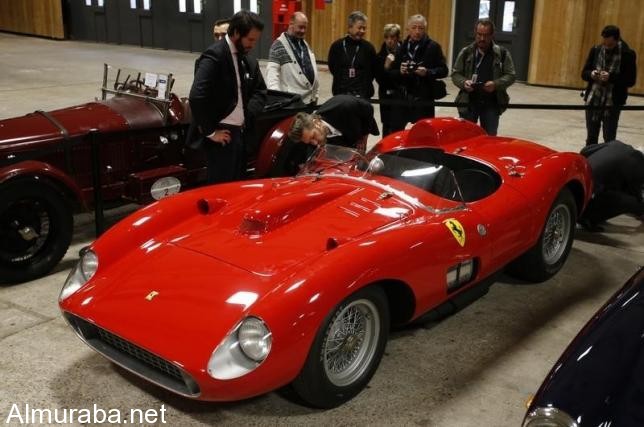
<point>219,36</point>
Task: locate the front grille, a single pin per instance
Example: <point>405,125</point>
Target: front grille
<point>134,358</point>
<point>140,354</point>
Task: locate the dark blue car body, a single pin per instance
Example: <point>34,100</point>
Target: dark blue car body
<point>599,379</point>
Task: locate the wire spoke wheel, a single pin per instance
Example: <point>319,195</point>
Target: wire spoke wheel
<point>351,342</point>
<point>556,234</point>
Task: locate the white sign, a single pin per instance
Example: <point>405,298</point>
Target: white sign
<point>150,80</point>
<point>165,187</point>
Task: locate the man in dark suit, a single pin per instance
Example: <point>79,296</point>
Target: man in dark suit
<point>342,120</point>
<point>618,180</point>
<point>227,92</point>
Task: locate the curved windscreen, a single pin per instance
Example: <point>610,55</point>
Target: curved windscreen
<point>449,176</point>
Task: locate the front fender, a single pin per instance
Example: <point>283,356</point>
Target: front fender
<point>34,169</point>
<point>296,309</point>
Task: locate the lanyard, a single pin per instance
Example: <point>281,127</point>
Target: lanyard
<point>409,54</point>
<point>344,46</point>
<point>297,49</point>
<point>478,64</point>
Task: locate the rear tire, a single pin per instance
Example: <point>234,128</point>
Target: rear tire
<point>35,230</point>
<point>550,252</point>
<point>347,350</point>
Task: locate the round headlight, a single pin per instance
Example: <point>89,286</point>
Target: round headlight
<point>89,264</point>
<point>254,339</point>
<point>80,274</point>
<point>548,417</point>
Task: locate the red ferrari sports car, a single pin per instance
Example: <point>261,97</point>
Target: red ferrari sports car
<point>233,290</point>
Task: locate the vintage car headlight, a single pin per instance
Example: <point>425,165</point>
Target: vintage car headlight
<point>243,350</point>
<point>548,417</point>
<point>254,339</point>
<point>80,274</point>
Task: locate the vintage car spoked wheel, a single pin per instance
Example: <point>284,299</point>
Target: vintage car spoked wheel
<point>347,350</point>
<point>351,342</point>
<point>547,257</point>
<point>35,230</point>
<point>556,234</point>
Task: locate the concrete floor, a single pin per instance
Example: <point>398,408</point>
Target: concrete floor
<point>476,368</point>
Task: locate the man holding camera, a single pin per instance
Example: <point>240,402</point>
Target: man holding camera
<point>483,71</point>
<point>610,69</point>
<point>418,64</point>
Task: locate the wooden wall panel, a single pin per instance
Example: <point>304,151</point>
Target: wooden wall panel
<point>628,15</point>
<point>37,17</point>
<point>565,30</point>
<point>330,24</point>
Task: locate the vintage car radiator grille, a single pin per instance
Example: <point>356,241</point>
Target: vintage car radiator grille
<point>134,358</point>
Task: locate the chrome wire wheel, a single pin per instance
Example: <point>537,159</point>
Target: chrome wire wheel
<point>351,342</point>
<point>556,234</point>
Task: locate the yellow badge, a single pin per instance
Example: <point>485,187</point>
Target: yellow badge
<point>151,295</point>
<point>457,230</point>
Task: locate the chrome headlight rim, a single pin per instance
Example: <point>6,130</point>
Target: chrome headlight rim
<point>551,414</point>
<point>228,361</point>
<point>255,339</point>
<point>82,272</point>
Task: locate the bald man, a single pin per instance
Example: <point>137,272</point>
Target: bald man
<point>291,63</point>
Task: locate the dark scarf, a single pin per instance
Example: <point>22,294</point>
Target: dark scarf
<point>601,93</point>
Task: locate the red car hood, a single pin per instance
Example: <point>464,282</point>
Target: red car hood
<point>288,222</point>
<point>168,300</point>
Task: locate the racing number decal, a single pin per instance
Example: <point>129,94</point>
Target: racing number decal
<point>456,229</point>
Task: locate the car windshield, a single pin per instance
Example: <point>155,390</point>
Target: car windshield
<point>120,81</point>
<point>423,173</point>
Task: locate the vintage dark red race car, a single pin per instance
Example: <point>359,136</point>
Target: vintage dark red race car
<point>46,163</point>
<point>233,290</point>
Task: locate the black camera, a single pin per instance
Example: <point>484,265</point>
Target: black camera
<point>412,66</point>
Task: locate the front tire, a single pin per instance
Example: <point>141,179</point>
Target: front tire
<point>35,230</point>
<point>550,252</point>
<point>347,350</point>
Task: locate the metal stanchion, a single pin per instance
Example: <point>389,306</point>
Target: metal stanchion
<point>99,217</point>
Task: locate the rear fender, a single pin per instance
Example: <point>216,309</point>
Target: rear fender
<point>271,146</point>
<point>542,182</point>
<point>35,170</point>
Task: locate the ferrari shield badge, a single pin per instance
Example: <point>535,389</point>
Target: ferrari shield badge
<point>151,295</point>
<point>456,229</point>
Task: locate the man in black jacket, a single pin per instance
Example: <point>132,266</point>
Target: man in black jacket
<point>342,120</point>
<point>352,60</point>
<point>227,92</point>
<point>419,62</point>
<point>618,182</point>
<point>610,70</point>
